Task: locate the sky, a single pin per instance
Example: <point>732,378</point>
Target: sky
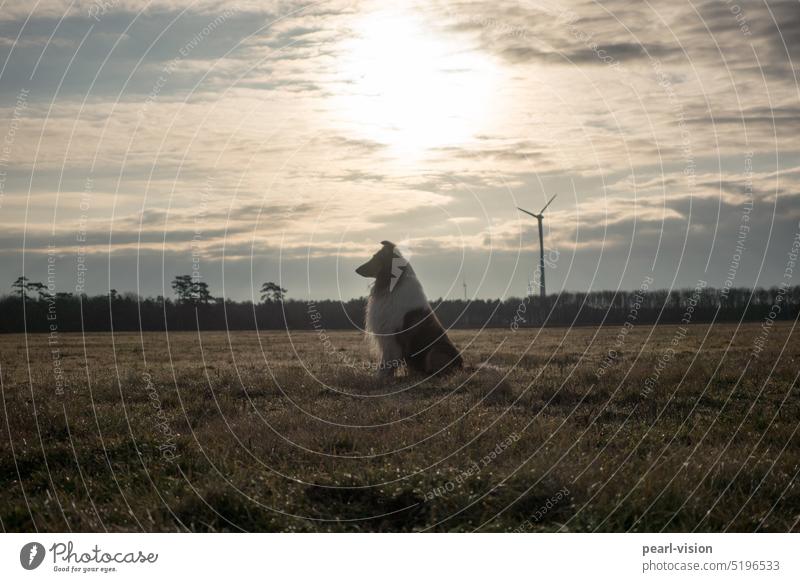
<point>244,142</point>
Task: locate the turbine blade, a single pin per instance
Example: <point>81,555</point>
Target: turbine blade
<point>548,203</point>
<point>526,212</point>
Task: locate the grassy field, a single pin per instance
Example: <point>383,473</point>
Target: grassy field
<point>575,430</point>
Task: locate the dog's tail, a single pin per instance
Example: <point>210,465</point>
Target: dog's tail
<point>493,367</point>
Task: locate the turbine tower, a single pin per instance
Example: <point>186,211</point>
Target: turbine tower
<point>539,217</point>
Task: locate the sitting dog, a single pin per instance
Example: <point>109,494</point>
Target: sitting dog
<point>400,321</point>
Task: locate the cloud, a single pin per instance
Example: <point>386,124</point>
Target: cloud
<point>641,116</point>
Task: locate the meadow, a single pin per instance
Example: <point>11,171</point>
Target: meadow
<point>584,429</point>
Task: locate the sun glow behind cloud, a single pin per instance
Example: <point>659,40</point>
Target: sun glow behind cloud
<point>358,121</point>
<point>410,89</point>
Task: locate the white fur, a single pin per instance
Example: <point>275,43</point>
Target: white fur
<point>385,314</point>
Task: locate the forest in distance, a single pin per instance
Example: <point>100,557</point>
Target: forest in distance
<point>32,308</point>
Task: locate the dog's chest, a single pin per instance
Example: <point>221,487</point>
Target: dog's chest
<point>386,313</point>
<point>384,316</point>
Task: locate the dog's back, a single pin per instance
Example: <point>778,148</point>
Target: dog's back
<point>425,345</point>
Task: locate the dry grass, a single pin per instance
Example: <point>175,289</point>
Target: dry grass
<point>278,435</point>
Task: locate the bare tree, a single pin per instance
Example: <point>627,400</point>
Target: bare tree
<point>22,285</point>
<point>182,285</point>
<point>272,292</point>
<point>190,291</point>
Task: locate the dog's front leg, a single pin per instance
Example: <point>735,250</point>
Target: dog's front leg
<point>390,357</point>
<point>385,371</point>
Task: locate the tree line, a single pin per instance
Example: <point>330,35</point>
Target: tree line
<point>32,307</point>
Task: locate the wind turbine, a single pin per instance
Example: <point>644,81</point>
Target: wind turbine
<point>539,217</point>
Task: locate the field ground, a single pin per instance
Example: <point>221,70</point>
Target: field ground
<point>246,431</point>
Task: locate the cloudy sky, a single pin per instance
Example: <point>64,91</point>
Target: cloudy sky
<point>254,141</point>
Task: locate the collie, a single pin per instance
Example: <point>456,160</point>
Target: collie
<point>403,328</point>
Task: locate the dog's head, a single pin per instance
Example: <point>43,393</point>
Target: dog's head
<point>386,266</point>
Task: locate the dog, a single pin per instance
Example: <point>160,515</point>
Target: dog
<point>400,322</point>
